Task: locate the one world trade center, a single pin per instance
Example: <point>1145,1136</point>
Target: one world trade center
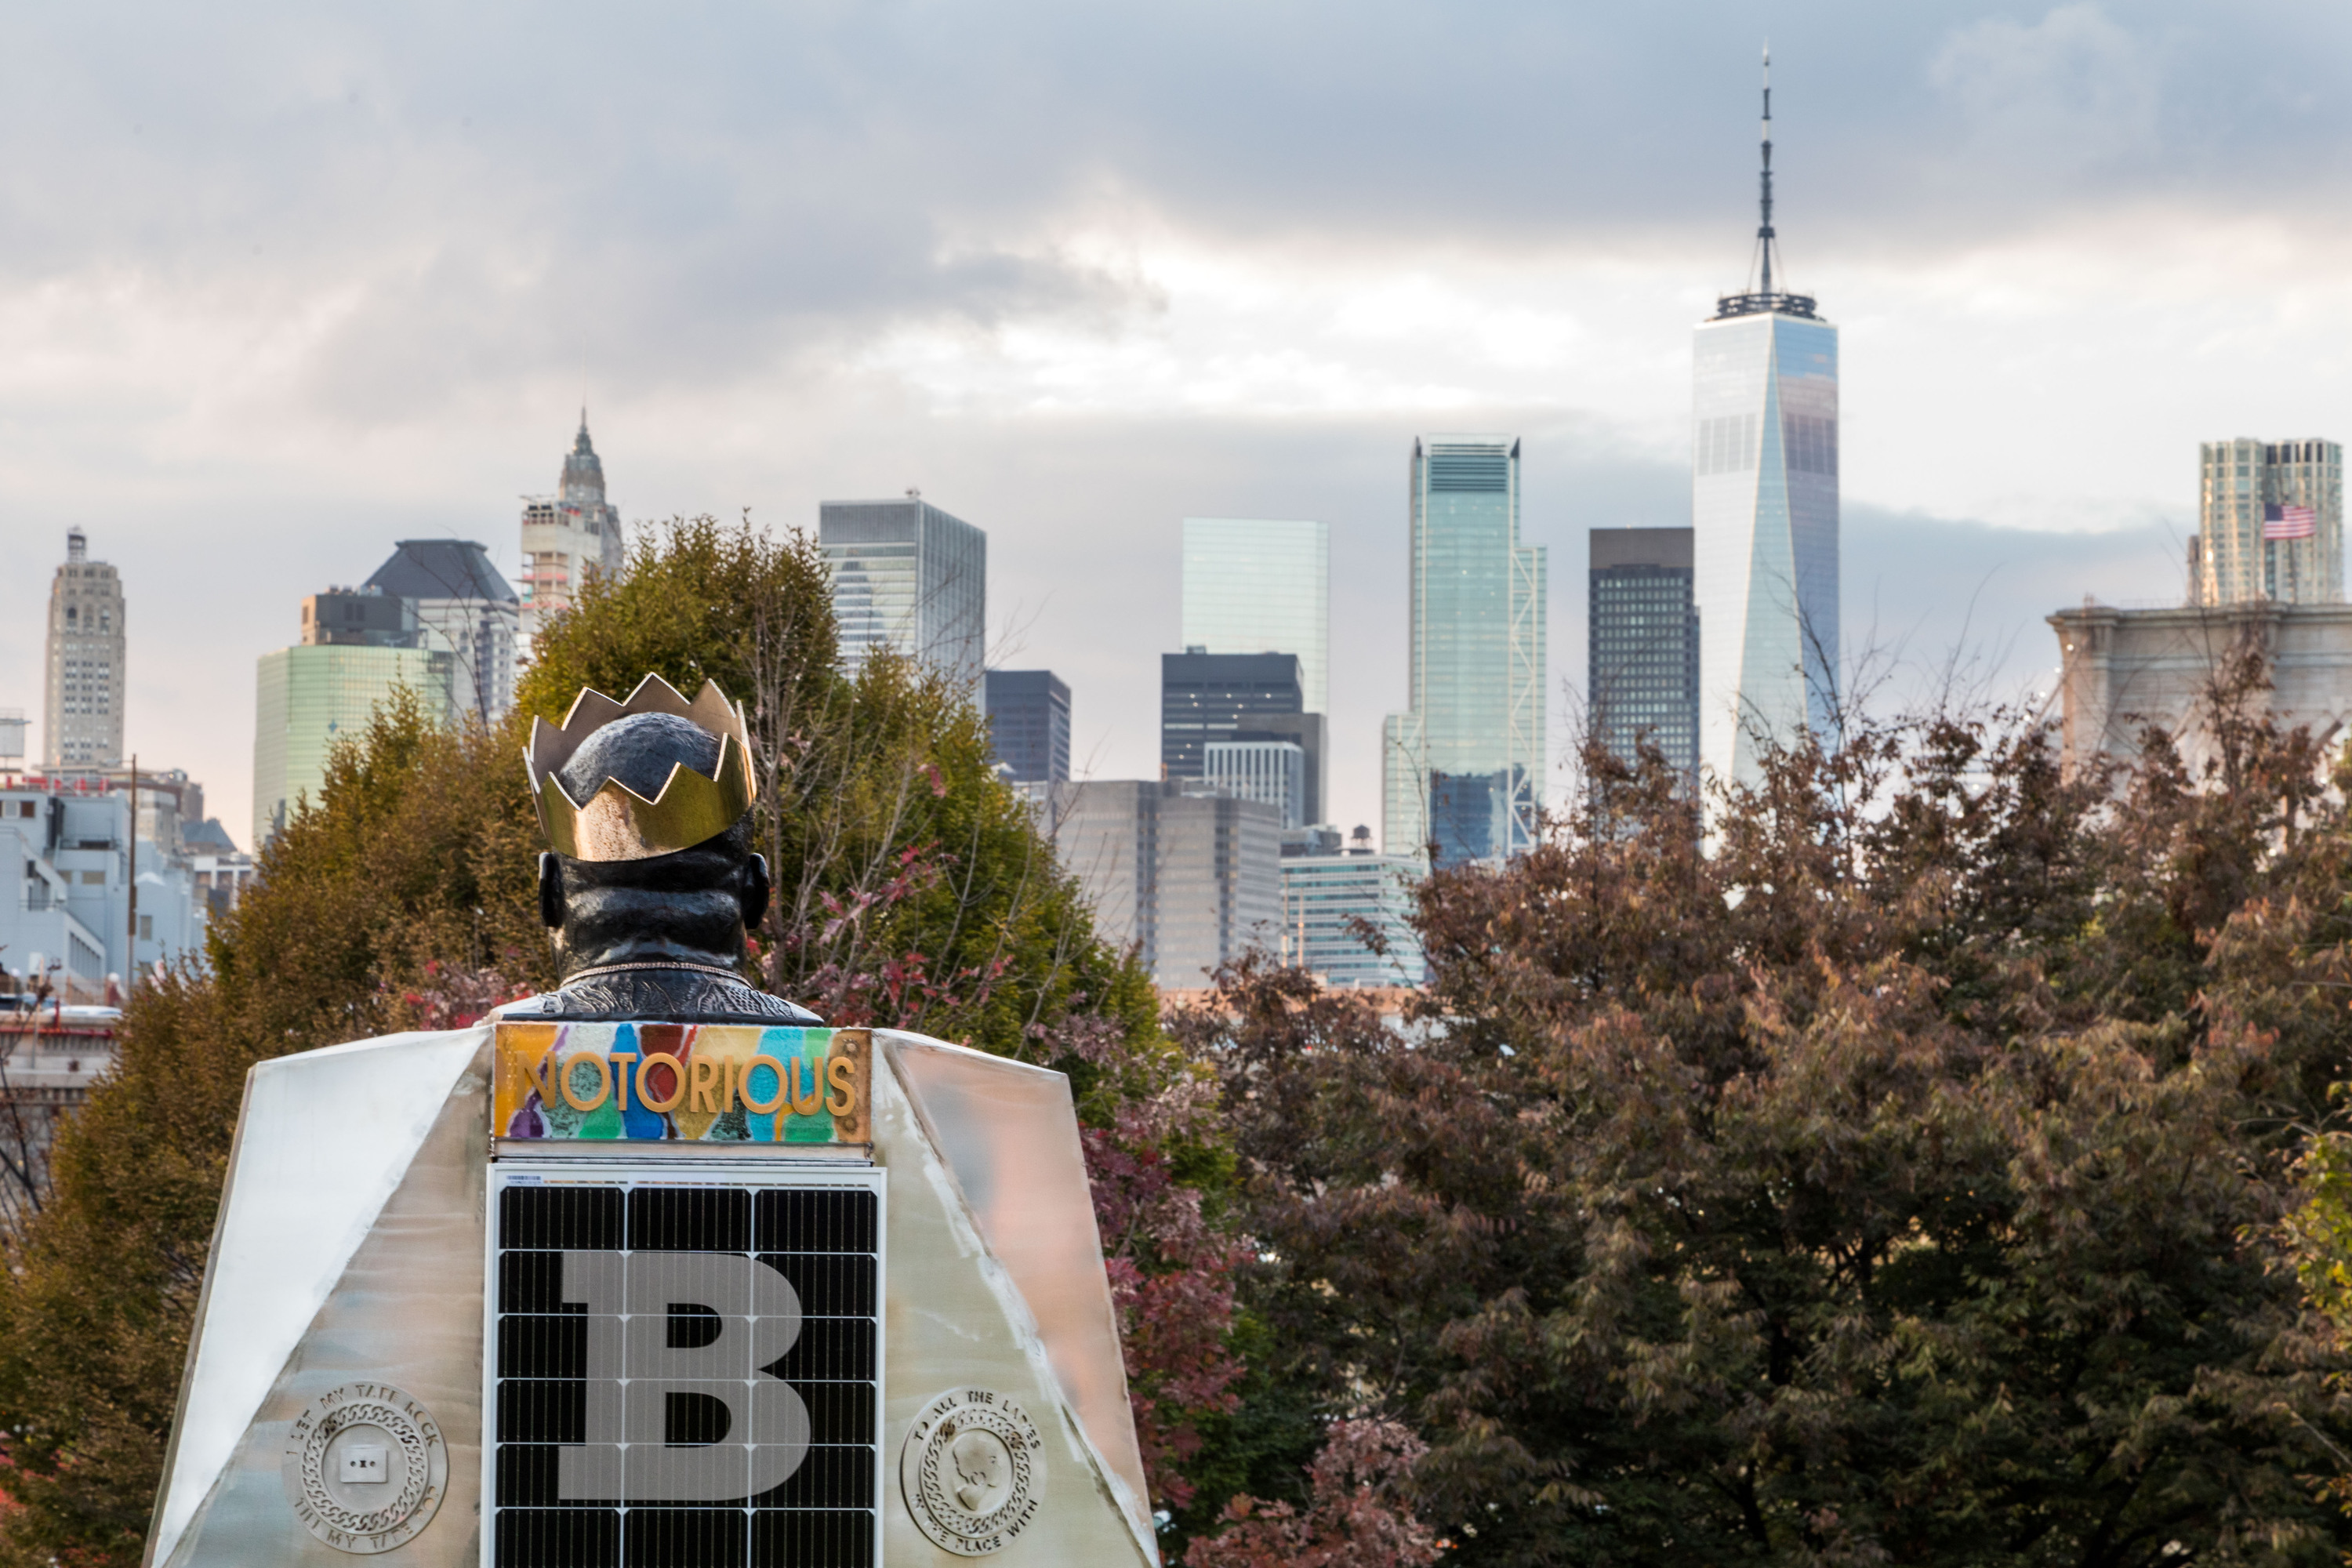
<point>1764,514</point>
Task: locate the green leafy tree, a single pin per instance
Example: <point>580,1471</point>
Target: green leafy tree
<point>912,887</point>
<point>915,892</point>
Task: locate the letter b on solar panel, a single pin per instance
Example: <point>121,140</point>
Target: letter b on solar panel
<point>677,1409</point>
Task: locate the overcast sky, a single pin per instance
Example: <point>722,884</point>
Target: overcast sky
<point>279,286</point>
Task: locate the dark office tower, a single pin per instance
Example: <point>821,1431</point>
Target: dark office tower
<point>1029,720</point>
<point>1641,648</point>
<point>1242,697</point>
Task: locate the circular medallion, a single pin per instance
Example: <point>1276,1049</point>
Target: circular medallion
<point>364,1467</point>
<point>973,1469</point>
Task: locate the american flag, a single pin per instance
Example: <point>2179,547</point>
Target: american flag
<point>2289,523</point>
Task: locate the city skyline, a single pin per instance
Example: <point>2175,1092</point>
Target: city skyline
<point>1246,330</point>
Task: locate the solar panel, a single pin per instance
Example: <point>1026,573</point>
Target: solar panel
<point>685,1366</point>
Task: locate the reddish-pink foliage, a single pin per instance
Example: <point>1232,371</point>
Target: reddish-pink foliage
<point>455,997</point>
<point>1357,1517</point>
<point>1172,1280</point>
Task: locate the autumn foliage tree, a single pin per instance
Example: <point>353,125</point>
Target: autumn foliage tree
<point>1891,1169</point>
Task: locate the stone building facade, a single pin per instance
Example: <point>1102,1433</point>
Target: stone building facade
<point>2123,670</point>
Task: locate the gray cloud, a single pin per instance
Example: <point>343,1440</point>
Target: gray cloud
<point>280,284</point>
<point>816,160</point>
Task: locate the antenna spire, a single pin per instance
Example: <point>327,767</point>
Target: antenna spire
<point>1766,299</point>
<point>1764,229</point>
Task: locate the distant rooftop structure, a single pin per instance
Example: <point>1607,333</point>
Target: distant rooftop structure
<point>2123,670</point>
<point>442,569</point>
<point>464,608</point>
<point>207,836</point>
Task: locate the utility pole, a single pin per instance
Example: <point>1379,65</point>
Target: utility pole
<point>131,963</point>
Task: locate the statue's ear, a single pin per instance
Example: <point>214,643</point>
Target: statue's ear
<point>756,888</point>
<point>550,890</point>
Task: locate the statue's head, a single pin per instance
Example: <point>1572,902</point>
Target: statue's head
<point>647,804</point>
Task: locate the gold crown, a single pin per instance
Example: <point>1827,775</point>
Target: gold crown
<point>617,823</point>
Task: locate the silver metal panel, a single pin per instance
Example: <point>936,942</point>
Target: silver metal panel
<point>325,1140</point>
<point>1010,1133</point>
<point>958,1322</point>
<point>406,1310</point>
<point>352,1249</point>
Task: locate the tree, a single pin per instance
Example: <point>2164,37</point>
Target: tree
<point>1355,1517</point>
<point>912,887</point>
<point>1896,1177</point>
<point>417,847</point>
<point>916,893</point>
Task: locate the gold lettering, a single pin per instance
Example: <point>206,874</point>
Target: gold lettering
<point>644,1084</point>
<point>843,1099</point>
<point>621,1061</point>
<point>783,1085</point>
<point>603,1080</point>
<point>708,1079</point>
<point>813,1101</point>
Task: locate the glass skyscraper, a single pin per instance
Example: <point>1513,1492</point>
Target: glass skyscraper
<point>2252,541</point>
<point>1259,585</point>
<point>1764,514</point>
<point>908,576</point>
<point>1029,724</point>
<point>1464,764</point>
<point>1273,772</point>
<point>1642,644</point>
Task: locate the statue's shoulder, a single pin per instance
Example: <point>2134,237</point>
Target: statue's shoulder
<point>682,996</point>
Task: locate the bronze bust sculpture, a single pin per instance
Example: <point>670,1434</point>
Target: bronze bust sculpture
<point>653,881</point>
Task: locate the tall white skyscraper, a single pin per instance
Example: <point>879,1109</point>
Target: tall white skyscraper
<point>1258,585</point>
<point>908,576</point>
<point>1464,764</point>
<point>1764,513</point>
<point>82,720</point>
<point>566,537</point>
